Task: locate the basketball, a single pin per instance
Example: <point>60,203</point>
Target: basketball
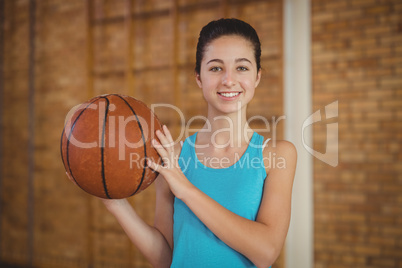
<point>105,144</point>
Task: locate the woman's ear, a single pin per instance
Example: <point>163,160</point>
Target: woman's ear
<point>198,79</point>
<point>257,81</point>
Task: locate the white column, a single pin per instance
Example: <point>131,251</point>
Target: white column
<point>298,107</point>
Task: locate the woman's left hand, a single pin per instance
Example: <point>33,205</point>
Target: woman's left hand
<point>170,169</point>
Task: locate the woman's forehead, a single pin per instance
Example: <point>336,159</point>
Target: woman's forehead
<point>233,47</point>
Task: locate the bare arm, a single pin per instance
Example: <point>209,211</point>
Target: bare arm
<point>260,241</point>
<point>155,243</point>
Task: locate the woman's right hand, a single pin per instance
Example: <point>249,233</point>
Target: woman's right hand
<point>114,204</point>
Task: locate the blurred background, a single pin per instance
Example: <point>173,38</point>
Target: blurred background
<point>56,54</point>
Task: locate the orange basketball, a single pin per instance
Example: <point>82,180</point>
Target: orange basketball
<point>105,144</point>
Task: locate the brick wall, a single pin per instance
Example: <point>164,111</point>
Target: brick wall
<point>357,60</point>
<point>81,52</point>
<point>47,235</point>
<point>85,48</point>
<point>14,105</point>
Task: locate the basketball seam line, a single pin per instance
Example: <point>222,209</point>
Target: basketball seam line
<point>143,140</point>
<point>103,148</point>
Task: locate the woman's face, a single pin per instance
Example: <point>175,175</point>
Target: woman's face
<point>229,74</point>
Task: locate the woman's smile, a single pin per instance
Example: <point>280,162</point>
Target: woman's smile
<point>232,95</point>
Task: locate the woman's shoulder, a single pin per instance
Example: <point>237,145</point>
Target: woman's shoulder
<point>279,153</point>
<point>279,146</point>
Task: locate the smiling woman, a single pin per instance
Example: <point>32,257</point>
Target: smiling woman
<point>220,200</point>
<point>228,71</point>
<point>146,49</point>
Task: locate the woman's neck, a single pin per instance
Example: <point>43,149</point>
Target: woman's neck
<point>223,130</point>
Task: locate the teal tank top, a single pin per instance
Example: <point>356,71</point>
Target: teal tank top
<point>238,188</point>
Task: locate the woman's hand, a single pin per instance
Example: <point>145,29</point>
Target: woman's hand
<point>170,169</point>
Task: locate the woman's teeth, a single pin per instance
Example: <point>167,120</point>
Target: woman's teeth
<point>229,95</point>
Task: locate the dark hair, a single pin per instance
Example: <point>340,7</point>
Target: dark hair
<point>222,27</point>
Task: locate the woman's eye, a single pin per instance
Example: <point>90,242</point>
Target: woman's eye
<point>215,69</point>
<point>242,68</point>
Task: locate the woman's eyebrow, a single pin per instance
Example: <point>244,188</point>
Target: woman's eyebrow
<point>236,60</point>
<point>215,60</point>
<point>242,59</point>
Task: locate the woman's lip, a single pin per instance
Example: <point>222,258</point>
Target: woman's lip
<point>229,95</point>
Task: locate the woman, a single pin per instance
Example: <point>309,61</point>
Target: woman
<point>219,202</point>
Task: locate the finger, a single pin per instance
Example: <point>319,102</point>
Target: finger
<point>156,144</point>
<point>168,135</point>
<point>156,167</point>
<point>170,142</point>
<point>159,148</point>
<point>165,155</point>
<point>181,144</point>
<point>171,145</point>
<point>164,139</point>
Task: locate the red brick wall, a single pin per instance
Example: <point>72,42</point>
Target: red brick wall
<point>357,60</point>
<point>14,105</point>
<point>142,48</point>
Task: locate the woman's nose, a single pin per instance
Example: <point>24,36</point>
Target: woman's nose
<point>229,79</point>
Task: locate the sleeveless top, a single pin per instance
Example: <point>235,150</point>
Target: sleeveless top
<point>238,188</point>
